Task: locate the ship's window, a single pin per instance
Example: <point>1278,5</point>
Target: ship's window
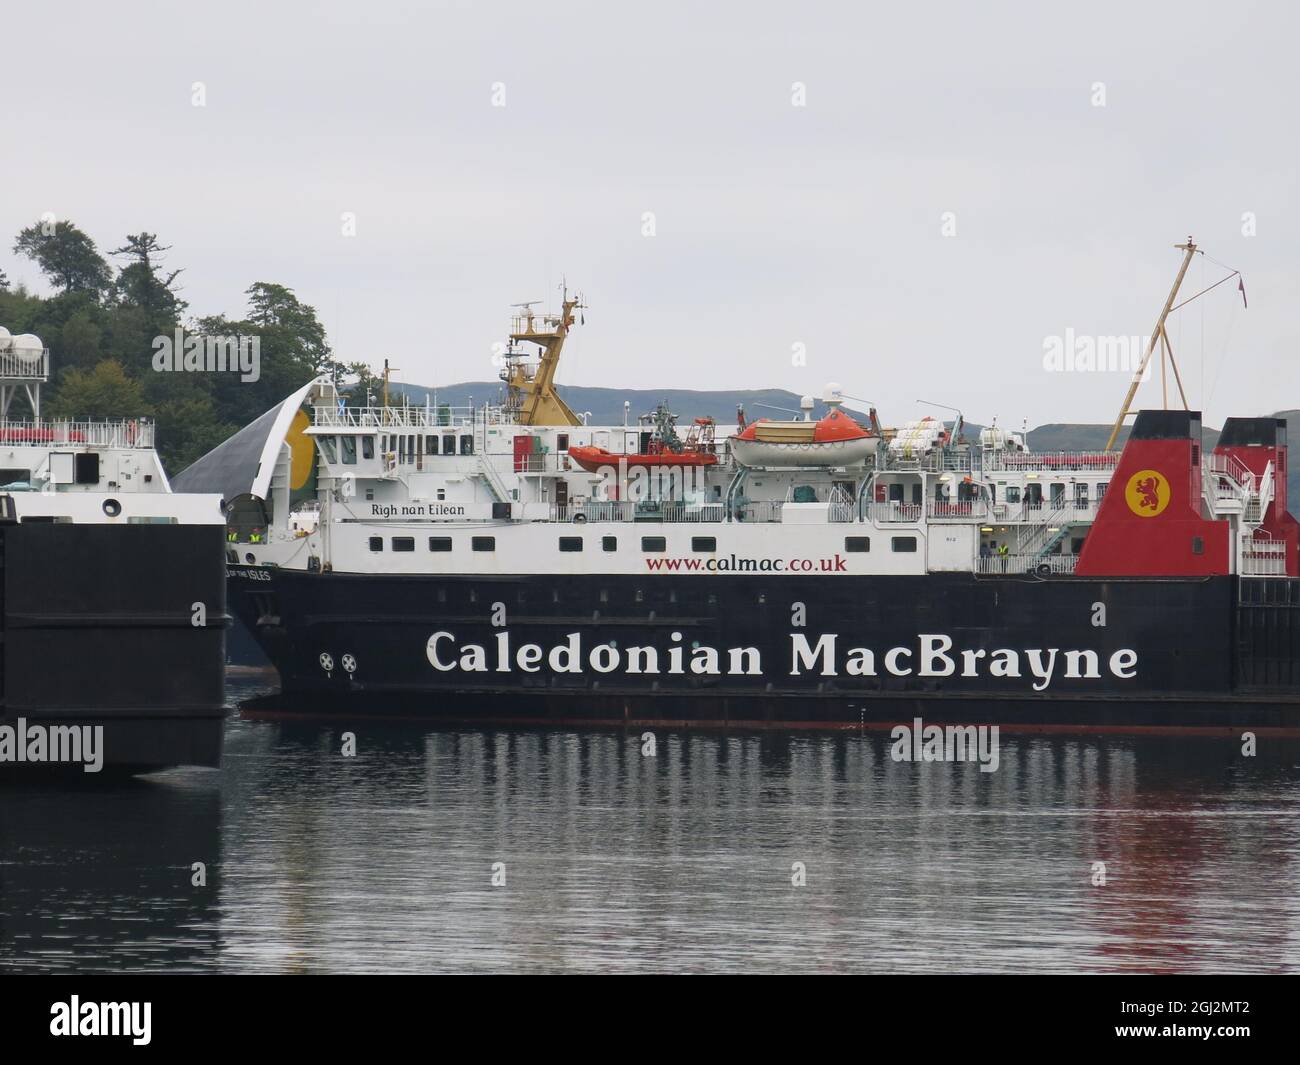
<point>653,543</point>
<point>561,441</point>
<point>1101,491</point>
<point>857,543</point>
<point>609,543</point>
<point>570,543</point>
<point>367,447</point>
<point>330,446</point>
<point>430,445</point>
<point>449,445</point>
<point>1081,494</point>
<point>902,543</point>
<point>483,543</point>
<point>10,475</point>
<point>442,494</point>
<point>403,543</point>
<point>439,543</point>
<point>349,450</point>
<point>1198,546</point>
<point>1058,495</point>
<point>704,543</point>
<point>1013,493</point>
<point>467,445</point>
<point>376,543</point>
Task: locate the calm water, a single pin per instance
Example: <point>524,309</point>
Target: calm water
<point>616,862</point>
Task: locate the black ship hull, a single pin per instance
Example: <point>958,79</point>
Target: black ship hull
<point>1213,653</point>
<point>115,627</point>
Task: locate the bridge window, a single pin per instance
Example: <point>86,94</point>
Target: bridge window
<point>367,447</point>
<point>349,450</point>
<point>467,445</point>
<point>570,543</point>
<point>329,445</point>
<point>449,445</point>
<point>857,543</point>
<point>430,445</point>
<point>483,543</point>
<point>439,543</point>
<point>902,544</point>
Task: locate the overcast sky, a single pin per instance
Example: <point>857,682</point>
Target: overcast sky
<point>775,224</point>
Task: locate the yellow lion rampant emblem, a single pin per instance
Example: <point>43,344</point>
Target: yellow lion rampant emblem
<point>1147,493</point>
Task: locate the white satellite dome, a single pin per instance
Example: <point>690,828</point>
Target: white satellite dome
<point>6,339</point>
<point>27,347</point>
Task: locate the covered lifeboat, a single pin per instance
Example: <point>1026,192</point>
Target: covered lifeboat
<point>835,440</point>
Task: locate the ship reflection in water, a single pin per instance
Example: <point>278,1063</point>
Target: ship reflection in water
<point>618,862</point>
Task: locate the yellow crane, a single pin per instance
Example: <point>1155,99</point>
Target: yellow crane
<point>530,390</point>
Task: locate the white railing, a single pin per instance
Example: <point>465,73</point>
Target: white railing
<point>1018,563</point>
<point>962,510</point>
<point>840,507</point>
<point>937,461</point>
<point>25,367</point>
<point>130,433</point>
<point>890,513</point>
<point>1229,466</point>
<point>763,510</point>
<point>1263,558</point>
<point>1076,461</point>
<point>1031,538</point>
<point>435,416</point>
<point>638,512</point>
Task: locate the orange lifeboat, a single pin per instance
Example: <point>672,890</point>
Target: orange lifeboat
<point>835,440</point>
<point>593,458</point>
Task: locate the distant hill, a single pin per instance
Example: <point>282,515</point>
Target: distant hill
<point>606,408</point>
<point>606,404</point>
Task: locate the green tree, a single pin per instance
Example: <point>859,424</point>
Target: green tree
<point>104,392</point>
<point>66,255</point>
<point>142,284</point>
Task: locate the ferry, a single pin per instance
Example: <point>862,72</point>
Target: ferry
<point>475,565</point>
<point>112,592</point>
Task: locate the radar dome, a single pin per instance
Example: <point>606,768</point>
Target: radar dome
<point>6,339</point>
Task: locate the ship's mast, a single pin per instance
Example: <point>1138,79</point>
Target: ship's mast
<point>1158,335</point>
<point>532,395</point>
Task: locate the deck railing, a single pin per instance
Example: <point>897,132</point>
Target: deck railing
<point>1017,564</point>
<point>1264,558</point>
<point>1071,461</point>
<point>137,433</point>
